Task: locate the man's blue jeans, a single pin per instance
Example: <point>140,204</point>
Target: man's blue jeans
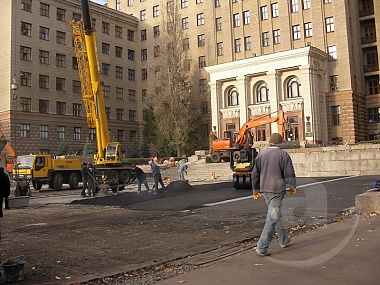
<point>273,222</point>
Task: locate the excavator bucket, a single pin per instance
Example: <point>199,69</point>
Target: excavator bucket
<point>2,144</point>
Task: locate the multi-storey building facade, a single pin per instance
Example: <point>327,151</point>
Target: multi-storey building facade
<point>315,59</point>
<point>38,55</point>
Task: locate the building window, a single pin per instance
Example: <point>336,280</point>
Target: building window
<point>61,132</point>
<point>77,133</point>
<point>236,20</point>
<point>131,95</point>
<point>61,108</point>
<point>294,6</point>
<point>233,97</point>
<point>26,29</point>
<point>105,28</point>
<point>333,80</point>
<point>119,93</point>
<point>198,1</point>
<point>201,40</point>
<point>144,54</point>
<point>219,48</point>
<point>266,39</point>
<point>75,63</point>
<point>217,3</point>
<point>132,115</point>
<point>275,11</point>
<point>219,24</point>
<point>105,48</point>
<point>185,23</point>
<point>328,1</point>
<point>130,3</point>
<point>44,34</point>
<point>144,74</point>
<point>143,15</point>
<point>186,44</point>
<point>44,132</point>
<point>61,37</point>
<point>156,51</point>
<point>133,136</point>
<point>43,81</point>
<point>264,12</point>
<point>44,10</point>
<point>296,32</point>
<point>262,93</point>
<point>237,44</point>
<point>335,115</point>
<point>26,79</point>
<point>373,115</point>
<point>144,94</point>
<point>156,11</point>
<point>204,107</point>
<point>92,134</point>
<point>118,52</point>
<point>119,71</point>
<point>143,35</point>
<point>25,130</point>
<point>306,4</point>
<point>119,32</point>
<point>131,54</point>
<point>330,26</point>
<point>107,91</point>
<point>202,61</point>
<point>61,15</point>
<point>372,85</point>
<point>202,85</point>
<point>156,31</point>
<point>106,69</point>
<point>43,106</point>
<point>131,35</point>
<point>76,87</point>
<point>26,104</point>
<point>44,57</point>
<point>26,5</point>
<point>60,60</point>
<point>60,84</point>
<point>108,112</point>
<point>276,37</point>
<point>248,43</point>
<point>131,74</point>
<point>184,4</point>
<point>25,53</point>
<point>246,18</point>
<point>77,110</point>
<point>76,17</point>
<point>332,53</point>
<point>294,88</point>
<point>120,135</point>
<point>119,114</point>
<point>308,27</point>
<point>200,19</point>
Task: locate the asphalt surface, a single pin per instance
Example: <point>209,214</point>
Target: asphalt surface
<point>69,240</point>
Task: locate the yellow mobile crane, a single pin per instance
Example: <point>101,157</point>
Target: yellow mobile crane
<point>109,156</point>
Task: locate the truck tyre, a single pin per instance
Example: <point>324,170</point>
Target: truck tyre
<point>125,176</point>
<point>73,180</point>
<point>58,181</point>
<point>37,185</point>
<point>216,157</point>
<point>114,176</point>
<point>51,184</point>
<point>236,156</point>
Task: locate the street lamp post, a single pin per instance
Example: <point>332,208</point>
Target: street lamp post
<point>14,87</point>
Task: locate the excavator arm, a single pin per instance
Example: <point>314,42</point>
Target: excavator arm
<point>10,159</point>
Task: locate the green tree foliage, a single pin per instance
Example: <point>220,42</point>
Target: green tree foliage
<point>144,150</point>
<point>88,148</point>
<point>63,148</point>
<point>133,150</point>
<point>172,96</point>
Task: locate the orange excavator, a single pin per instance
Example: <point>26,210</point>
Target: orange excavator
<point>7,153</point>
<point>242,154</point>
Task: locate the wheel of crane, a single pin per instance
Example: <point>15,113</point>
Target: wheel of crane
<point>248,182</point>
<point>216,157</point>
<point>114,176</point>
<point>58,181</point>
<point>73,180</point>
<point>37,185</point>
<point>235,182</point>
<point>125,176</point>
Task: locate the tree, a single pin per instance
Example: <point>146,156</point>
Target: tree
<point>63,148</point>
<point>133,150</point>
<point>88,148</point>
<point>172,95</point>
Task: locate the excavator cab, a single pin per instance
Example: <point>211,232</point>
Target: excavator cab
<point>113,153</point>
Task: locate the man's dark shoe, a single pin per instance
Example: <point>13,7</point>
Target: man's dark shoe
<point>287,243</point>
<point>262,253</point>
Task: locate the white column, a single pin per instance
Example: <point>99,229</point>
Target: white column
<point>243,108</point>
<point>216,98</point>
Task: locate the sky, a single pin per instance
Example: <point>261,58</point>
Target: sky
<point>99,1</point>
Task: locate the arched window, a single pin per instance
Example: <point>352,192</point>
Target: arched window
<point>262,93</point>
<point>294,88</point>
<point>233,97</point>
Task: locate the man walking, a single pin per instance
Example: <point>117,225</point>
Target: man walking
<point>272,171</point>
<point>141,177</point>
<point>157,175</point>
<point>84,179</point>
<point>181,170</point>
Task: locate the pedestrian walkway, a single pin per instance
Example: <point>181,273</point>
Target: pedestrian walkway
<point>345,252</point>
